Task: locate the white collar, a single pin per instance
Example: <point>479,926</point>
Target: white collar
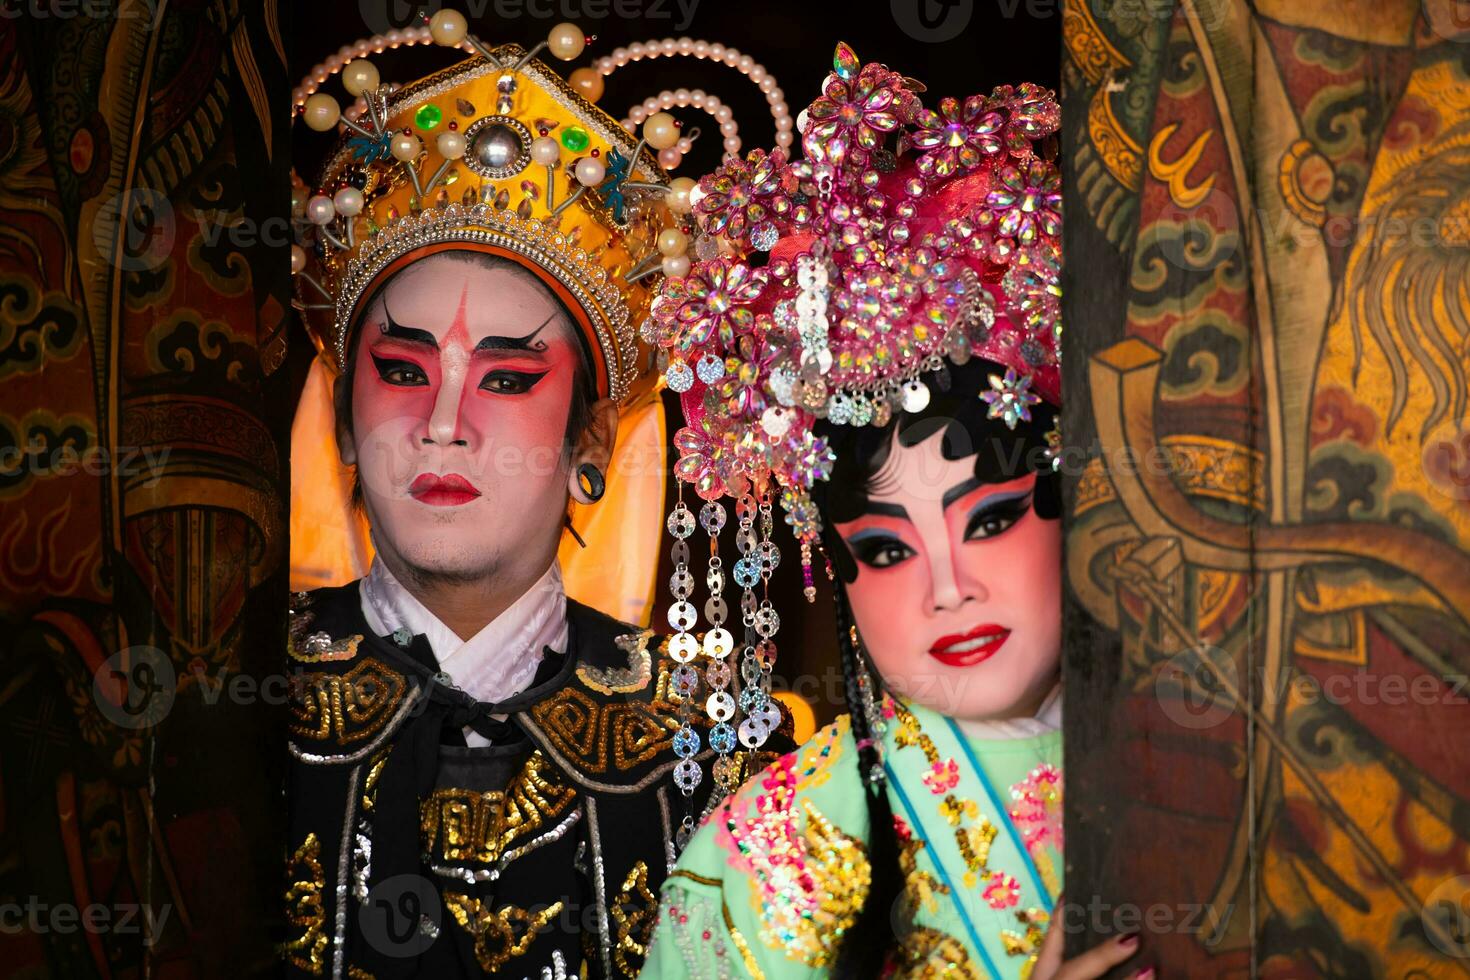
<point>496,662</point>
<point>1048,718</point>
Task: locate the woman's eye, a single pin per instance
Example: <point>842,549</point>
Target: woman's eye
<point>881,552</point>
<point>510,382</point>
<point>996,519</point>
<point>404,374</point>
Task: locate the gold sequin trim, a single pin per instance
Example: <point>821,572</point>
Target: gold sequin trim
<point>973,841</point>
<point>634,910</point>
<point>346,708</point>
<point>586,731</point>
<point>304,909</point>
<point>1028,942</point>
<point>370,784</point>
<point>921,889</point>
<point>741,945</point>
<point>336,650</point>
<point>461,825</point>
<point>928,954</point>
<point>681,873</point>
<point>502,934</point>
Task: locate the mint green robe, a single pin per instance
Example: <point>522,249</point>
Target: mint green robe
<point>779,870</point>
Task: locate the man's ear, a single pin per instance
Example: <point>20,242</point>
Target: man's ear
<point>598,440</point>
<point>346,448</point>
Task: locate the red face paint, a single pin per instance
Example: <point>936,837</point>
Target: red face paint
<point>958,591</point>
<point>461,390</point>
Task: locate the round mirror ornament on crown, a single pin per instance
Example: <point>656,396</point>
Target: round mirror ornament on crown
<point>497,147</point>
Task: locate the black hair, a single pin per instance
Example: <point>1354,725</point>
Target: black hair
<point>956,410</point>
<point>584,384</point>
<point>1001,454</point>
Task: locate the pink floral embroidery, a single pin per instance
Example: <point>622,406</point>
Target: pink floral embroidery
<point>1038,808</point>
<point>856,113</point>
<point>1027,203</point>
<point>942,777</point>
<point>716,301</point>
<point>770,843</point>
<point>747,200</point>
<point>958,136</point>
<point>1003,891</point>
<point>704,458</point>
<point>803,871</point>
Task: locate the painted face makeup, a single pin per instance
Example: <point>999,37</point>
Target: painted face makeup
<point>461,390</point>
<point>958,589</point>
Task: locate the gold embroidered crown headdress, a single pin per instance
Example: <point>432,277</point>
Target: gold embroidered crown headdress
<point>498,154</point>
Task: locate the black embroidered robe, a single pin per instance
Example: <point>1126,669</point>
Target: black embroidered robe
<point>415,855</point>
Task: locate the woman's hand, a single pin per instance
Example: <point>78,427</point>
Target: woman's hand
<point>1096,962</point>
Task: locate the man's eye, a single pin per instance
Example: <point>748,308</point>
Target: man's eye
<point>884,552</point>
<point>510,382</point>
<point>404,374</point>
<point>994,520</point>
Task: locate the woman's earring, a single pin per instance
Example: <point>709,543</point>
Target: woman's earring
<point>595,487</point>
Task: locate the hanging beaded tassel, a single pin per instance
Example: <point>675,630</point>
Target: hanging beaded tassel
<point>867,696</point>
<point>811,311</point>
<point>747,575</point>
<point>761,715</point>
<point>812,327</point>
<point>718,643</point>
<point>685,679</point>
<point>808,587</point>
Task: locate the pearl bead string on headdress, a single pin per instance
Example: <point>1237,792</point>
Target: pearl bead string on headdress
<point>377,44</point>
<point>713,51</point>
<point>669,157</point>
<point>672,157</point>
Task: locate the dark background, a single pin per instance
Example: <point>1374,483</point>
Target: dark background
<point>957,48</point>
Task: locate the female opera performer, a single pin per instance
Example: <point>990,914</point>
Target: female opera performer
<point>890,370</point>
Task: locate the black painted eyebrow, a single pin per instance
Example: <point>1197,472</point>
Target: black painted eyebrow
<point>412,335</point>
<point>1001,499</point>
<point>526,343</point>
<point>954,493</point>
<point>959,490</point>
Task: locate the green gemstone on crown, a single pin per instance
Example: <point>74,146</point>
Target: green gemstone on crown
<point>428,116</point>
<point>575,138</point>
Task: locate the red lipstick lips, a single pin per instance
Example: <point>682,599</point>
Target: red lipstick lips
<point>449,490</point>
<point>968,649</point>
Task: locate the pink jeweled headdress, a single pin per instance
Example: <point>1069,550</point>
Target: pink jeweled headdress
<point>825,288</point>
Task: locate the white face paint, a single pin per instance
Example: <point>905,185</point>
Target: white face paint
<point>461,391</point>
<point>958,591</point>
